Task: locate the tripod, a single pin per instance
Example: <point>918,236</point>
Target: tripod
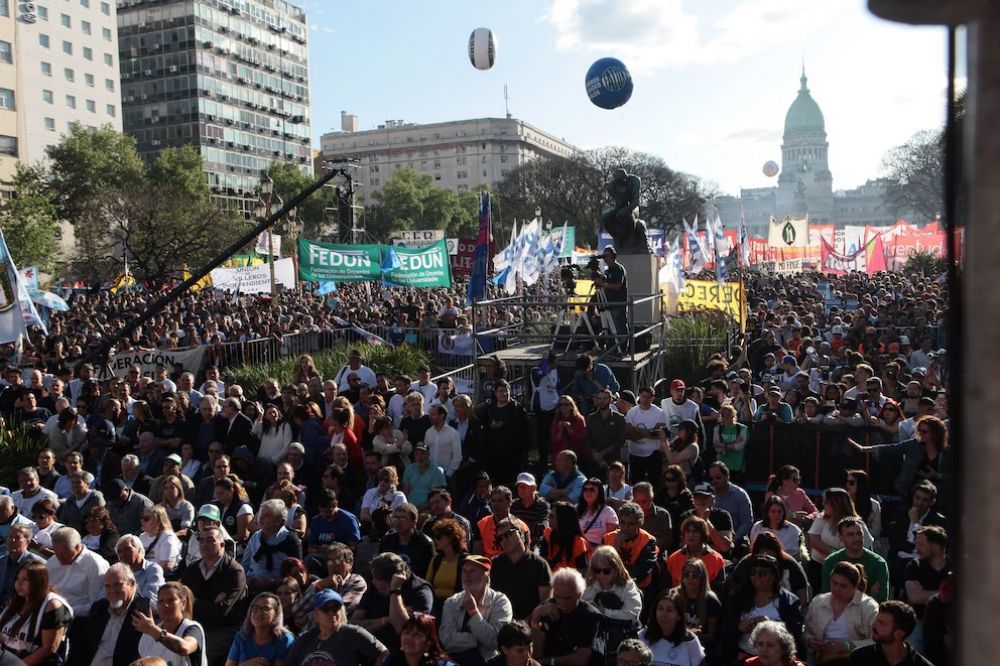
<point>575,315</point>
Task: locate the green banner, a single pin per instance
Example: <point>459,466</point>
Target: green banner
<point>420,267</point>
<point>324,262</point>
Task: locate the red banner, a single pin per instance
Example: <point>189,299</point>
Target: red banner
<point>463,262</point>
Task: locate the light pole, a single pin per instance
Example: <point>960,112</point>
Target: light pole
<point>264,210</point>
<point>292,229</point>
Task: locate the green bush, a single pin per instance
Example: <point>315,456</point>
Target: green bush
<point>403,359</point>
<point>691,338</point>
<point>17,450</point>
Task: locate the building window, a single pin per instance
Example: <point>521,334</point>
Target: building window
<point>68,48</point>
<point>50,124</point>
<point>106,34</point>
<point>89,80</point>
<point>8,145</point>
<point>4,8</point>
<point>6,99</point>
<point>91,106</point>
<point>46,69</point>
<point>69,74</point>
<point>6,52</point>
<point>71,101</point>
<point>47,96</point>
<point>43,12</point>
<point>85,3</point>
<point>65,20</point>
<point>111,110</point>
<point>109,85</point>
<point>106,9</point>
<point>85,26</point>
<point>88,53</point>
<point>108,60</point>
<point>43,41</point>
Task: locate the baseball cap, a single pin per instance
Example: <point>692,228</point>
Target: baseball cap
<point>210,512</point>
<point>627,396</point>
<point>174,458</point>
<point>774,390</point>
<point>478,560</point>
<point>788,358</point>
<point>837,329</point>
<point>731,375</point>
<point>526,478</point>
<point>677,384</point>
<point>703,488</point>
<point>420,446</point>
<point>327,596</point>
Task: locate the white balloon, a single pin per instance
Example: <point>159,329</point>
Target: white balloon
<point>771,168</point>
<point>482,48</point>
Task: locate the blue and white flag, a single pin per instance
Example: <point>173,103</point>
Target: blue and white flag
<point>390,260</point>
<point>17,311</point>
<point>698,257</point>
<point>744,239</point>
<point>505,257</point>
<point>326,287</point>
<point>672,272</point>
<point>721,249</point>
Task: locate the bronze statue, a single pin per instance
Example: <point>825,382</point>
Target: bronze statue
<point>621,216</point>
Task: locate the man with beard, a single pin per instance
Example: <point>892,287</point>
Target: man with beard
<point>111,639</point>
<point>894,622</point>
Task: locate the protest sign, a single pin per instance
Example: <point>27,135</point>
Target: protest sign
<point>726,297</point>
<point>254,279</point>
<point>261,247</point>
<point>786,267</point>
<point>148,360</point>
<point>421,267</point>
<point>325,262</point>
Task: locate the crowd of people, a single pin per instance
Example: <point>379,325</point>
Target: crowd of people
<point>370,519</point>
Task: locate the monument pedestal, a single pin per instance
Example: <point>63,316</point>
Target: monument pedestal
<point>641,271</point>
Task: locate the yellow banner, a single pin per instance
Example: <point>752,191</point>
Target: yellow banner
<point>728,297</point>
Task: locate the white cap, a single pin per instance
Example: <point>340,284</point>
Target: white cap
<point>903,340</point>
<point>837,330</point>
<point>527,479</point>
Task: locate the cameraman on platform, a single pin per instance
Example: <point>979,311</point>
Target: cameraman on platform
<point>615,285</point>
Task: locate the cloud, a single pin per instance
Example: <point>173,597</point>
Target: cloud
<point>655,34</point>
<point>756,135</point>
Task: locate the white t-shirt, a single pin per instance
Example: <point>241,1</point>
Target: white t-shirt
<point>647,419</point>
<point>665,653</point>
<point>675,413</point>
<point>149,647</point>
<point>167,548</point>
<point>374,499</point>
<point>594,528</point>
<point>769,610</point>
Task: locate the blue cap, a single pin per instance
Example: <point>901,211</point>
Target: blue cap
<point>323,597</point>
<point>788,359</point>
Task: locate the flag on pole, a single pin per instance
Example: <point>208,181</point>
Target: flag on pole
<point>390,260</point>
<point>506,256</point>
<point>744,240</point>
<point>480,265</point>
<point>16,309</point>
<point>697,258</point>
<point>721,250</point>
<point>672,272</point>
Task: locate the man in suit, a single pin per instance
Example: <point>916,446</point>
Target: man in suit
<point>903,534</point>
<point>111,640</point>
<point>237,429</point>
<point>102,462</point>
<point>17,556</point>
<point>219,584</point>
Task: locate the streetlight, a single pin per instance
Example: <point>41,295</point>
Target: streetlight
<point>264,210</point>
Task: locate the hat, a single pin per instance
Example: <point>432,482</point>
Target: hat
<point>942,351</point>
<point>174,458</point>
<point>611,250</point>
<point>420,446</point>
<point>837,329</point>
<point>478,560</point>
<point>774,390</point>
<point>731,375</point>
<point>703,488</point>
<point>118,485</point>
<point>526,478</point>
<point>210,512</point>
<point>904,341</point>
<point>919,371</point>
<point>677,384</point>
<point>243,453</point>
<point>848,402</point>
<point>326,596</point>
<point>627,396</point>
<point>788,358</point>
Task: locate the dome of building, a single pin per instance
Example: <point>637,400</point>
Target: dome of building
<point>803,115</point>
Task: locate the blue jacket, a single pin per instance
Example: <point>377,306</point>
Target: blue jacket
<point>572,482</point>
<point>588,386</point>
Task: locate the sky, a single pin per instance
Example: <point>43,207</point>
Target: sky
<point>713,78</point>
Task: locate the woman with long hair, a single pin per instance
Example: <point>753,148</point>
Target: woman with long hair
<point>793,575</point>
<point>611,589</point>
<point>445,570</point>
<point>858,487</point>
<point>702,608</point>
<point>179,511</point>
<point>675,496</point>
<point>927,456</point>
<point>562,543</point>
<point>775,520</point>
<point>595,516</point>
<point>823,535</point>
<point>568,430</point>
<point>683,449</point>
<point>274,434</point>
<point>158,538</point>
<point>418,644</point>
<point>289,591</point>
<point>667,635</point>
<point>263,634</point>
<point>840,620</point>
<point>178,639</point>
<point>34,624</point>
<point>341,431</point>
<point>307,370</point>
<point>759,598</point>
<point>100,534</point>
<point>786,484</point>
<point>309,429</point>
<point>890,415</point>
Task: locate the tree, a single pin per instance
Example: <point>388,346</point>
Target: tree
<point>29,221</point>
<point>411,200</point>
<point>289,180</point>
<point>86,163</point>
<point>181,170</point>
<point>914,174</point>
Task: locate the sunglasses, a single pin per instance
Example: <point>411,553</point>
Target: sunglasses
<point>761,572</point>
<point>602,570</point>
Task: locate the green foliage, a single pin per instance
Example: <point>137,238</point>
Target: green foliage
<point>29,221</point>
<point>404,359</point>
<point>690,340</point>
<point>914,174</point>
<point>411,200</point>
<point>289,180</point>
<point>17,450</point>
<point>86,163</point>
<point>180,171</point>
<point>925,264</point>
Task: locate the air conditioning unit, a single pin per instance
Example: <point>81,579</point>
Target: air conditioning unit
<point>148,72</point>
<point>173,68</point>
<point>154,142</point>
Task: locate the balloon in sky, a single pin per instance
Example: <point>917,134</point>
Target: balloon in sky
<point>482,48</point>
<point>609,84</point>
<point>770,168</point>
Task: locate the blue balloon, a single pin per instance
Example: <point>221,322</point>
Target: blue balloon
<point>609,84</point>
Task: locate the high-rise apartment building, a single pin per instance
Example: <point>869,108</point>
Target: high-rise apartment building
<point>228,76</point>
<point>460,154</point>
<point>58,66</point>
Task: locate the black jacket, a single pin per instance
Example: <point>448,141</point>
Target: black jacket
<point>240,434</point>
<point>219,601</point>
<point>127,646</point>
